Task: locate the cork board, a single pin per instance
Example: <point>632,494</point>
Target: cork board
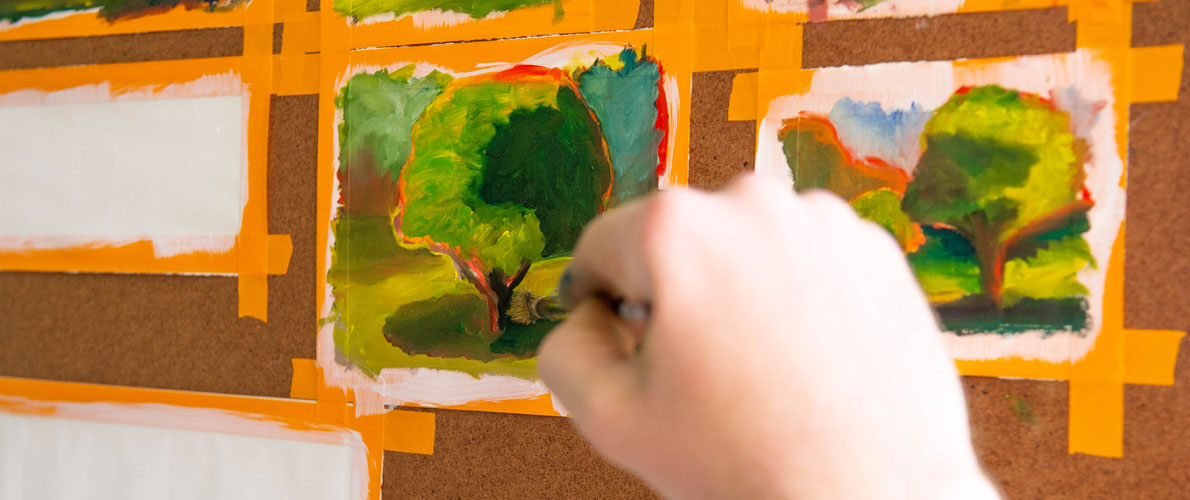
<point>182,332</point>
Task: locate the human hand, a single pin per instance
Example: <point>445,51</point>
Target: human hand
<point>789,354</point>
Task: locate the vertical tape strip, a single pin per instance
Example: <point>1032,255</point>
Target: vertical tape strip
<point>673,37</point>
<point>741,105</point>
<point>280,250</point>
<point>1156,73</point>
<point>371,430</point>
<point>304,383</point>
<point>252,243</point>
<point>1096,424</point>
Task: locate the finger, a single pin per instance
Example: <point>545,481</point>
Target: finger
<point>584,357</point>
<point>611,257</point>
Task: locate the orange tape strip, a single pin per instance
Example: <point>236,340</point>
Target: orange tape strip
<point>409,431</point>
<point>288,9</point>
<point>296,74</point>
<point>1097,381</point>
<point>741,106</point>
<point>1096,425</point>
<point>304,383</point>
<point>1001,5</point>
<point>280,249</point>
<point>1151,356</point>
<point>301,34</point>
<point>253,242</point>
<point>1156,73</point>
<point>1097,11</point>
<point>537,405</point>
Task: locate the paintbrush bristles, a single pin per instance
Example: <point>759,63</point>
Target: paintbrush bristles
<point>526,308</point>
<point>518,307</point>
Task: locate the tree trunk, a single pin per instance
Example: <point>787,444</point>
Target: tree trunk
<point>481,283</point>
<point>495,286</point>
<point>990,255</point>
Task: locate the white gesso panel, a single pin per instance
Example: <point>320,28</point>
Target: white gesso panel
<point>67,459</point>
<point>122,170</point>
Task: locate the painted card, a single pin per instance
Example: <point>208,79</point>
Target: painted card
<point>28,19</point>
<point>1000,179</point>
<point>383,23</point>
<point>459,181</point>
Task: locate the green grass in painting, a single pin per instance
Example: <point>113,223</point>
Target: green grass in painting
<point>476,9</point>
<point>111,10</point>
<point>975,314</point>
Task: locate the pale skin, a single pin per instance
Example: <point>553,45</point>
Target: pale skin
<point>789,353</point>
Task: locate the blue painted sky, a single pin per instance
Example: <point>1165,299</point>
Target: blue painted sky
<point>866,129</point>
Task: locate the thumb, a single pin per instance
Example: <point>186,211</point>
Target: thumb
<point>586,361</point>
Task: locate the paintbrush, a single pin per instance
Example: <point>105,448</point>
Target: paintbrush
<point>527,308</point>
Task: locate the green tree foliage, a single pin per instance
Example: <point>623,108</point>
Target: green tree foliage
<point>883,207</point>
<point>489,216</point>
<point>551,162</point>
<point>995,162</point>
<point>111,10</point>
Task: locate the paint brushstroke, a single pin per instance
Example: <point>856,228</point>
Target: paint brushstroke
<point>625,102</point>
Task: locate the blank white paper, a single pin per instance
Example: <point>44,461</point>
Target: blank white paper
<point>68,459</point>
<point>123,169</point>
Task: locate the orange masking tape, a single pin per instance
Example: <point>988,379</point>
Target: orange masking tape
<point>301,34</point>
<point>296,74</point>
<point>304,383</point>
<point>409,431</point>
<point>1001,5</point>
<point>537,405</point>
<point>1098,11</point>
<point>280,249</point>
<point>1096,425</point>
<point>286,9</point>
<point>741,105</point>
<point>1156,73</point>
<point>1150,356</point>
<point>371,431</point>
<point>253,241</point>
<point>1101,30</point>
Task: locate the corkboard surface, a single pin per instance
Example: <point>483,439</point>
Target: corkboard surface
<point>182,333</point>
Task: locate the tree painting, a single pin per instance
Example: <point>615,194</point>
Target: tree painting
<point>455,192</point>
<point>109,10</point>
<point>991,215</point>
